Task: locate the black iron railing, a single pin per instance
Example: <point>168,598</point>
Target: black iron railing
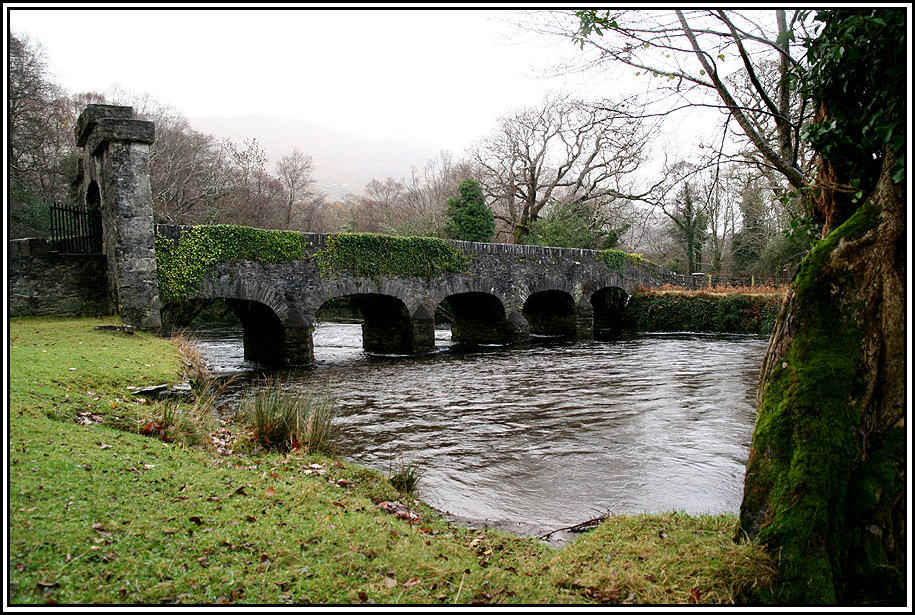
<point>75,230</point>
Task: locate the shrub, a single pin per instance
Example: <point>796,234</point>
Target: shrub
<point>702,312</point>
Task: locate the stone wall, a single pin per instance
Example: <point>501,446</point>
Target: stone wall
<point>42,283</point>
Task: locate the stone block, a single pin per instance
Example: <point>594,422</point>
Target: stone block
<point>93,114</point>
<point>134,131</point>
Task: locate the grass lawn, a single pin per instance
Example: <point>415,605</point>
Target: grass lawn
<point>107,505</point>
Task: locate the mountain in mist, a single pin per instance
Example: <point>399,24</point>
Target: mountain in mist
<point>343,161</point>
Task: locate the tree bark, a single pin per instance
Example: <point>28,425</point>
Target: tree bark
<point>825,488</point>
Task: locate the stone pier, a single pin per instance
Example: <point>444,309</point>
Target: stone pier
<point>114,179</point>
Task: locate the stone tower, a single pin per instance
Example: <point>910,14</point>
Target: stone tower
<point>114,178</point>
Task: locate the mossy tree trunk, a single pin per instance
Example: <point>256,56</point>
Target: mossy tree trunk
<point>825,484</point>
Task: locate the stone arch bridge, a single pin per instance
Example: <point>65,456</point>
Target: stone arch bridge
<point>507,294</point>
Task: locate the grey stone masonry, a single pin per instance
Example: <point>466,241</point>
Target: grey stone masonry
<point>115,175</point>
<point>507,294</point>
<point>42,283</point>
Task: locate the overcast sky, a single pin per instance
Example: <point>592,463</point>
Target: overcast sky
<point>441,75</point>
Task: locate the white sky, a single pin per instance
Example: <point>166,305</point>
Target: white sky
<point>442,75</point>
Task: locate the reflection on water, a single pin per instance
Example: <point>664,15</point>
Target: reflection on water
<point>546,436</point>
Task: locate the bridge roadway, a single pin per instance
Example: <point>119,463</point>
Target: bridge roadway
<point>507,294</point>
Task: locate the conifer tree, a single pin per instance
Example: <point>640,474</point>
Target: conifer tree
<point>469,219</point>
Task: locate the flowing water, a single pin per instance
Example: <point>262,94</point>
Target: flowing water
<point>542,437</point>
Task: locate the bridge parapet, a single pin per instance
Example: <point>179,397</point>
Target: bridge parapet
<point>646,273</point>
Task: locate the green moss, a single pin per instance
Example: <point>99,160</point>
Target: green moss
<point>370,255</point>
<point>804,454</point>
<point>181,266</point>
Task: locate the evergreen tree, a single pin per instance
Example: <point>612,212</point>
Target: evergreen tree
<point>469,219</point>
<point>689,228</point>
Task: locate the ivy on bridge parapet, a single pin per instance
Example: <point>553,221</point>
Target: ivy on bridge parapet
<point>182,264</point>
<point>371,255</point>
<point>616,260</point>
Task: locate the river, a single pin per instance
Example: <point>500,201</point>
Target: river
<point>536,438</point>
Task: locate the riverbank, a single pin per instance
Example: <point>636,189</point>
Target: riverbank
<point>109,505</point>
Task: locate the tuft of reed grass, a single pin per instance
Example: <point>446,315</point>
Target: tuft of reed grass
<point>191,423</point>
<point>406,478</point>
<point>286,418</point>
<point>194,365</point>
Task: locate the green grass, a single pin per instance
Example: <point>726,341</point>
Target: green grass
<point>101,513</point>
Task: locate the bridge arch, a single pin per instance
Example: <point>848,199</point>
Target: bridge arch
<point>388,326</point>
<point>552,313</point>
<point>276,332</point>
<point>609,304</point>
<point>481,318</point>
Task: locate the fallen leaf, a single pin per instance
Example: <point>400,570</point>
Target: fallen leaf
<point>694,595</point>
<point>270,492</point>
<point>196,520</point>
<point>412,582</point>
<point>390,583</point>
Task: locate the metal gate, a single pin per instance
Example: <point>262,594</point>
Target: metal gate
<point>75,230</point>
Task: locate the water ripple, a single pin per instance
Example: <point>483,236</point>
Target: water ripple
<point>545,435</point>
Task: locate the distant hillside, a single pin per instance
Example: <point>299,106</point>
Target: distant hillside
<point>343,161</point>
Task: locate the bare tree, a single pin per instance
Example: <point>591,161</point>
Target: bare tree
<point>688,54</point>
<point>301,199</point>
<point>187,173</point>
<point>565,151</point>
<point>40,137</point>
<point>254,193</point>
<point>426,194</point>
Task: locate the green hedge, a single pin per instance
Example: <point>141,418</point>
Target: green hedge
<point>370,255</point>
<point>702,312</point>
<point>180,267</point>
